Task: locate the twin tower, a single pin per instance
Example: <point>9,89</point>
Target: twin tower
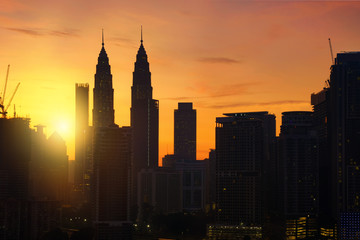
<point>144,109</point>
<point>119,154</point>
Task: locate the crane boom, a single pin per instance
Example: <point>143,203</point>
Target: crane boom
<point>17,86</point>
<point>331,51</point>
<point>6,80</point>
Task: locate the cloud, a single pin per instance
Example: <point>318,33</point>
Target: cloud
<point>207,91</point>
<point>224,90</point>
<point>45,32</point>
<point>122,40</point>
<point>223,60</point>
<point>119,41</point>
<point>68,33</point>
<point>26,31</point>
<point>242,104</point>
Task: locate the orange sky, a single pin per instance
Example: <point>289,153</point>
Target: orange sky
<point>224,56</point>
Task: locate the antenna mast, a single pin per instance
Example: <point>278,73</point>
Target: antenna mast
<point>331,51</point>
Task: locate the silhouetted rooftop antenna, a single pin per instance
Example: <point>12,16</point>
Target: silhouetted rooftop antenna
<point>331,51</point>
<point>102,35</point>
<point>141,36</point>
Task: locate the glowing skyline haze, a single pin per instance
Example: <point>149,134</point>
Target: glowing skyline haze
<point>224,56</point>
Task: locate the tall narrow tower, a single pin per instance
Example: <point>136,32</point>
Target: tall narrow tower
<point>81,129</point>
<point>111,161</point>
<point>103,111</point>
<point>185,132</point>
<point>144,118</point>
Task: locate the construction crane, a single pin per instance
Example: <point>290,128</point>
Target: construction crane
<point>2,99</point>
<point>331,51</point>
<point>17,86</point>
<point>3,109</point>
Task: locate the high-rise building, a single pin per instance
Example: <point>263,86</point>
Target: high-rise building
<point>111,177</point>
<point>344,135</point>
<point>15,154</point>
<point>185,132</point>
<point>111,161</point>
<point>299,157</point>
<point>144,119</point>
<point>320,102</point>
<point>103,111</point>
<point>81,131</point>
<point>242,150</point>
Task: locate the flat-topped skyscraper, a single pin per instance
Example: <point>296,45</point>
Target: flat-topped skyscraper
<point>185,132</point>
<point>81,129</point>
<point>103,111</point>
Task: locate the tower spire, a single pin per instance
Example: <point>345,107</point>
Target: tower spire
<point>141,36</point>
<point>102,35</point>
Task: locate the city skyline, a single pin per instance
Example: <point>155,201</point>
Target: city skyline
<point>255,56</point>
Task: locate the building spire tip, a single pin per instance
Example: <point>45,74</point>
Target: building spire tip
<point>141,35</point>
<point>102,35</point>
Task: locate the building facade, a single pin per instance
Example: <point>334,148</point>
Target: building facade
<point>240,157</point>
<point>15,156</point>
<point>299,171</point>
<point>111,179</point>
<point>344,134</point>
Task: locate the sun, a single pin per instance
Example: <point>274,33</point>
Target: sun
<point>63,128</point>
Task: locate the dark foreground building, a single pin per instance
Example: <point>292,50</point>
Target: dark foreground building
<point>242,151</point>
<point>15,149</point>
<point>344,140</point>
<point>111,182</point>
<point>337,121</point>
<point>299,171</point>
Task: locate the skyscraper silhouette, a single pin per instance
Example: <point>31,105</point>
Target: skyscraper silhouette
<point>103,111</point>
<point>321,107</point>
<point>81,129</point>
<point>144,119</point>
<point>344,141</point>
<point>243,143</point>
<point>298,152</point>
<point>111,161</point>
<point>337,120</point>
<point>185,132</point>
<point>15,155</point>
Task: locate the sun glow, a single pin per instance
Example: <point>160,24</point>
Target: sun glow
<point>63,128</point>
